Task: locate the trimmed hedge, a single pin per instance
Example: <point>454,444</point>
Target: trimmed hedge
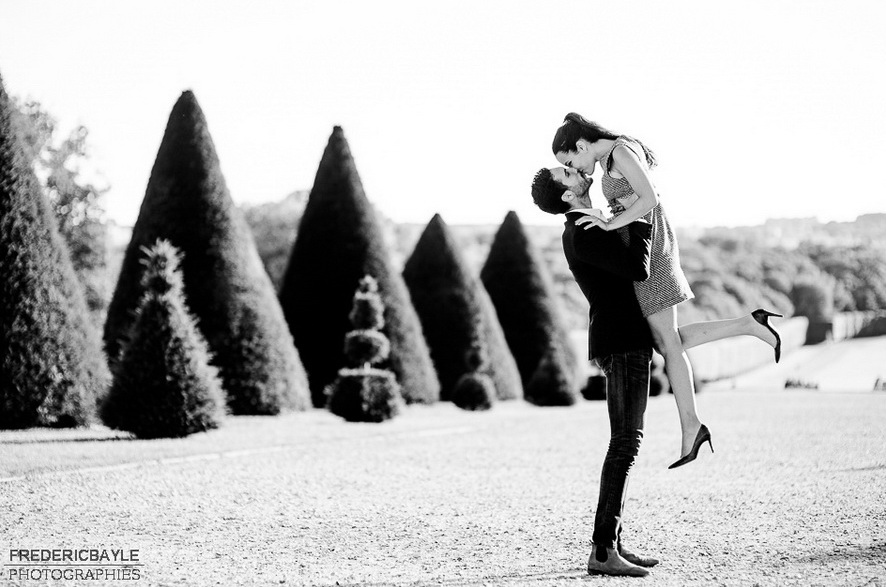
<point>187,202</point>
<point>365,395</point>
<point>362,393</point>
<point>52,368</point>
<point>163,384</point>
<point>528,310</point>
<point>338,242</point>
<point>455,310</point>
<point>595,388</point>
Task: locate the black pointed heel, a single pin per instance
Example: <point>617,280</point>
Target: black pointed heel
<point>704,435</point>
<point>762,316</point>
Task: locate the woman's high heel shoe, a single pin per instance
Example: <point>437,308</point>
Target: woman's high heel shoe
<point>704,435</point>
<point>762,316</point>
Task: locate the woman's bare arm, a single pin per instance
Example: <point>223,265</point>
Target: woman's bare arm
<point>628,164</point>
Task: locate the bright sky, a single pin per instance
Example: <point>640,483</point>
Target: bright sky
<point>756,109</point>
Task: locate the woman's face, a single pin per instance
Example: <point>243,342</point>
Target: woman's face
<point>581,158</point>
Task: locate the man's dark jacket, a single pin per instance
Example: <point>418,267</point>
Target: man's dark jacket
<point>605,270</point>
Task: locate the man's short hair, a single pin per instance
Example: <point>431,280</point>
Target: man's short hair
<point>547,193</point>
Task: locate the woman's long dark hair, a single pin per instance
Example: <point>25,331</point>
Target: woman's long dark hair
<point>575,126</point>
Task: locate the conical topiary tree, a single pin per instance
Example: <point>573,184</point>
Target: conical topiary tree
<point>163,384</point>
<point>362,393</point>
<point>227,288</point>
<point>553,383</point>
<point>455,310</point>
<point>526,305</point>
<point>475,390</point>
<point>338,242</point>
<point>52,368</point>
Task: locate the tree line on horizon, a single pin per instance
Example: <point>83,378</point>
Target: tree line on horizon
<point>195,328</point>
<point>730,270</point>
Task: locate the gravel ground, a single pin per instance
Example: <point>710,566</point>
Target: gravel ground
<point>794,495</point>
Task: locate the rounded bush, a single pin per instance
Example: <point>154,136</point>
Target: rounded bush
<point>595,388</point>
<point>477,357</point>
<point>366,347</point>
<point>368,311</point>
<point>365,395</point>
<point>551,384</point>
<point>474,391</point>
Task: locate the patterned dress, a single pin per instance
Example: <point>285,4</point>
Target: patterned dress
<point>667,285</point>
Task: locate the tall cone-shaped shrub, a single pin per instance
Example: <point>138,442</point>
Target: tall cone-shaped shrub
<point>522,292</point>
<point>456,312</point>
<point>237,311</point>
<point>338,242</point>
<point>361,392</point>
<point>163,384</point>
<point>52,368</point>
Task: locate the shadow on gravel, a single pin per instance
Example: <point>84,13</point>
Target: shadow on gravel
<point>571,575</point>
<point>63,440</point>
<point>872,552</point>
<point>862,469</point>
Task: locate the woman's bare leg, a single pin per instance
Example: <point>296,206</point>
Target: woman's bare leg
<point>668,342</point>
<point>698,333</point>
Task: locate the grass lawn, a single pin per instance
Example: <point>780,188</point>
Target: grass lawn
<point>794,495</point>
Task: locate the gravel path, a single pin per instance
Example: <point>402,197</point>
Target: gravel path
<point>794,495</point>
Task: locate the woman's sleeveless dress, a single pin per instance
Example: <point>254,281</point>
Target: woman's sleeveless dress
<point>667,285</point>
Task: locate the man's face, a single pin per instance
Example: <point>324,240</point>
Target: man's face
<point>573,180</point>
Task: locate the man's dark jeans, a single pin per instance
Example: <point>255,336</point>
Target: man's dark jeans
<point>627,391</point>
